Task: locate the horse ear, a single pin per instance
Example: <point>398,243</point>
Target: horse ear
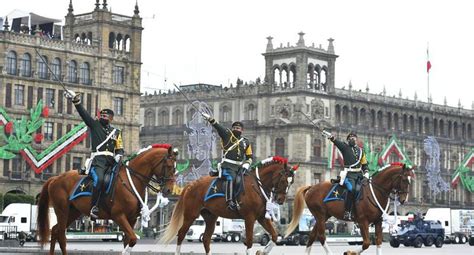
<point>295,167</point>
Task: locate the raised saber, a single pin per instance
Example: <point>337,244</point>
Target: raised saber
<point>187,99</point>
<point>325,133</point>
<point>51,71</point>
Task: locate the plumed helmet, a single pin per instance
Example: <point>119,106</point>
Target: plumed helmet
<point>107,111</point>
<point>352,133</point>
<point>238,124</point>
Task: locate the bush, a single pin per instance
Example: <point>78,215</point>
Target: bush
<point>17,198</point>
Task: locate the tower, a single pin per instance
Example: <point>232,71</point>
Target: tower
<point>115,36</point>
<point>300,67</point>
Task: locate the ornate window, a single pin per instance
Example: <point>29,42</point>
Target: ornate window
<point>118,106</point>
<point>251,112</point>
<point>317,148</point>
<point>25,67</point>
<point>85,73</point>
<point>178,117</point>
<point>56,68</point>
<point>163,118</point>
<point>11,63</point>
<point>42,67</point>
<point>72,71</point>
<point>149,119</point>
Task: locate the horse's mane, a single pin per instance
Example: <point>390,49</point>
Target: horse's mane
<point>270,161</point>
<point>385,167</point>
<point>142,150</point>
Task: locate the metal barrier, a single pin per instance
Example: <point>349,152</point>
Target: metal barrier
<point>8,232</point>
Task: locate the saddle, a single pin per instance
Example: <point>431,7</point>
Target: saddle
<point>217,187</point>
<point>85,185</point>
<point>339,193</point>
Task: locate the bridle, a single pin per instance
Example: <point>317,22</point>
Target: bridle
<point>149,181</point>
<point>276,183</point>
<point>394,192</point>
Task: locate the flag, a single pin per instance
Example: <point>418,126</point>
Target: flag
<point>428,63</point>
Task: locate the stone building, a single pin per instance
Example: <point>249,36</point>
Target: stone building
<point>97,54</point>
<point>300,78</point>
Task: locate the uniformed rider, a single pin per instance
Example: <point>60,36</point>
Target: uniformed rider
<point>236,153</point>
<point>106,146</point>
<point>355,167</point>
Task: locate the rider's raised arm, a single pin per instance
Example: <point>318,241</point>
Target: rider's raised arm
<point>339,144</point>
<point>86,117</point>
<point>221,130</point>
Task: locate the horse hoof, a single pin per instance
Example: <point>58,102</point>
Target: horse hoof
<point>259,253</point>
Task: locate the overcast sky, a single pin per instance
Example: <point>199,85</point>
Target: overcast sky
<point>380,43</point>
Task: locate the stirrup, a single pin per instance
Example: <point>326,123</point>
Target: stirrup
<point>347,216</point>
<point>94,213</point>
<point>231,205</point>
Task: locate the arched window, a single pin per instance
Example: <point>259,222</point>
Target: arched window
<point>427,126</point>
<point>469,131</point>
<point>450,129</point>
<point>338,113</point>
<point>389,120</point>
<point>280,147</point>
<point>420,125</point>
<point>56,68</point>
<point>149,119</point>
<point>163,118</point>
<point>372,118</point>
<point>72,71</point>
<point>276,76</point>
<point>405,123</point>
<point>324,75</point>
<point>284,77</point>
<point>127,43</point>
<point>11,63</point>
<point>178,117</point>
<point>363,117</point>
<point>355,116</point>
<point>226,114</point>
<point>310,77</point>
<point>25,66</point>
<point>441,128</point>
<point>85,74</point>
<point>119,43</point>
<point>345,115</point>
<point>455,129</point>
<point>42,67</point>
<point>380,120</point>
<point>251,114</point>
<point>396,122</point>
<point>412,123</point>
<point>112,40</point>
<point>435,127</point>
<point>89,38</point>
<point>317,148</point>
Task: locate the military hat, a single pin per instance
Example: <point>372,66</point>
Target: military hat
<point>352,133</point>
<point>107,111</point>
<point>238,124</point>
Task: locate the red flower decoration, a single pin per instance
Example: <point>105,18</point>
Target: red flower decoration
<point>9,127</point>
<point>45,112</point>
<point>38,138</point>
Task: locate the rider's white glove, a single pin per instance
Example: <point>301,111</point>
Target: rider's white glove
<point>326,134</point>
<point>205,116</point>
<point>366,175</point>
<point>246,166</point>
<point>69,94</point>
<point>118,157</point>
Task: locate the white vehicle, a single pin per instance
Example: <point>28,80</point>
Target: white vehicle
<point>227,230</point>
<point>18,217</point>
<point>458,223</point>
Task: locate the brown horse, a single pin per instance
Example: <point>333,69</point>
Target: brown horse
<point>392,179</point>
<point>157,160</point>
<point>271,175</point>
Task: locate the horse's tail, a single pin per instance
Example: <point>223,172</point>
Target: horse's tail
<point>298,206</point>
<point>176,220</point>
<point>43,214</point>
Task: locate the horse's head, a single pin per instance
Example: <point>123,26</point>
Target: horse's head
<point>281,177</point>
<point>165,168</point>
<point>400,179</point>
<point>403,185</point>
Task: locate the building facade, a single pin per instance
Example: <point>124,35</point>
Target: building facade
<point>98,54</point>
<point>300,78</point>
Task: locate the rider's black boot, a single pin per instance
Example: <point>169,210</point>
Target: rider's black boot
<point>348,206</point>
<point>94,202</point>
<point>228,196</point>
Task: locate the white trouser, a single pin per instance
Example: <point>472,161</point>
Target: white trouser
<point>343,175</point>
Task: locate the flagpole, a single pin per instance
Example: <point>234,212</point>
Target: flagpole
<point>428,69</point>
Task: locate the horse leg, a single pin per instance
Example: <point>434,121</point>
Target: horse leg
<point>124,224</point>
<point>54,237</point>
<point>364,231</point>
<point>187,222</point>
<point>126,238</point>
<point>318,232</point>
<point>378,237</point>
<point>267,225</point>
<point>210,220</point>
